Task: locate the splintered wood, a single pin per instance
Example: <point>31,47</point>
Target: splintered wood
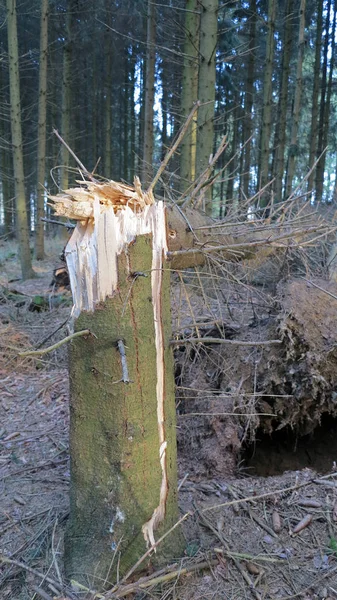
<point>110,216</point>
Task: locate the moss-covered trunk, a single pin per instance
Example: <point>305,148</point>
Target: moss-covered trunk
<point>116,474</point>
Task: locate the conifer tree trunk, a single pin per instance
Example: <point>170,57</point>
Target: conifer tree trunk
<point>42,130</point>
<point>6,159</point>
<point>315,96</point>
<point>66,95</point>
<point>319,175</point>
<point>325,116</point>
<point>293,148</point>
<point>149,94</point>
<point>206,87</point>
<point>267,104</point>
<point>249,98</point>
<point>132,115</point>
<point>22,227</point>
<point>189,93</point>
<point>108,93</point>
<point>281,126</point>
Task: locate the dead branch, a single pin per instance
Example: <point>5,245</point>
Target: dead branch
<point>17,563</point>
<point>211,340</point>
<point>173,148</point>
<point>80,164</point>
<point>55,346</point>
<point>55,222</point>
<point>291,488</point>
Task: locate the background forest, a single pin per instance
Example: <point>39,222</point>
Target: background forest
<point>104,90</point>
<point>117,79</point>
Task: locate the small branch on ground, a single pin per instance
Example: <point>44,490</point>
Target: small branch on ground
<point>17,563</point>
<point>291,488</point>
<point>55,346</point>
<point>211,340</point>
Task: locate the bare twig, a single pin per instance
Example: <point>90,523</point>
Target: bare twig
<point>17,563</point>
<point>296,486</point>
<point>241,570</point>
<point>80,164</point>
<point>57,345</point>
<point>55,222</point>
<point>111,593</point>
<point>211,340</point>
<point>173,148</point>
<point>40,592</point>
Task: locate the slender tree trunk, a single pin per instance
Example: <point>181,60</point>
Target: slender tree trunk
<point>5,157</point>
<point>149,94</point>
<point>248,102</point>
<point>108,93</point>
<point>267,104</point>
<point>19,179</point>
<point>126,123</point>
<point>326,115</point>
<point>67,95</point>
<point>293,148</point>
<point>132,115</point>
<point>232,170</point>
<point>281,126</point>
<point>189,90</point>
<point>320,147</point>
<point>206,88</point>
<point>315,96</point>
<point>42,131</point>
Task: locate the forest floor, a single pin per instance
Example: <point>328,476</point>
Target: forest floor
<point>262,495</point>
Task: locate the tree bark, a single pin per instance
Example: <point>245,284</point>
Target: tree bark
<point>19,180</point>
<point>206,88</point>
<point>42,131</point>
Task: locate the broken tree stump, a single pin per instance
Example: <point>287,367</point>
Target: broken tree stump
<point>123,492</point>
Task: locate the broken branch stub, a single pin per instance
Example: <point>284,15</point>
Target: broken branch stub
<point>122,426</point>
